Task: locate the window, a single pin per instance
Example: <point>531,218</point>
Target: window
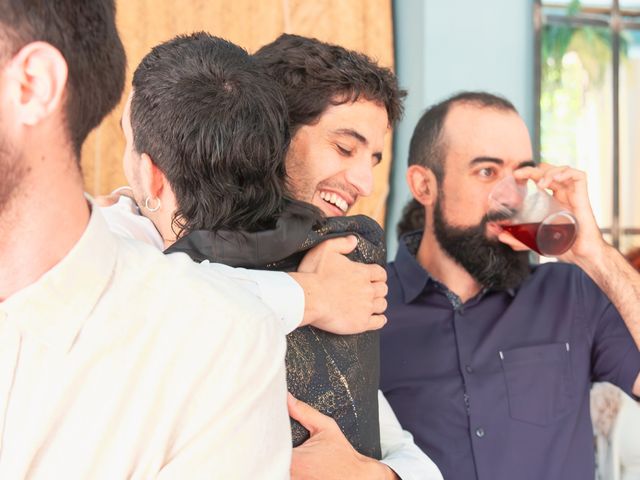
<point>588,103</point>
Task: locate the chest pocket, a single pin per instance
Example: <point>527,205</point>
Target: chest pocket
<point>538,380</point>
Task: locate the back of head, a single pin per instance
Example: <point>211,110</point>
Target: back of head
<point>428,147</point>
<point>217,128</point>
<point>85,33</point>
<point>315,75</point>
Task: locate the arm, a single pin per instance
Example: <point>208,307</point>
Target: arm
<point>398,450</point>
<point>329,291</point>
<point>603,263</point>
<point>327,454</point>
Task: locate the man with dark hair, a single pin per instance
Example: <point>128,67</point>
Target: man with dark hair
<point>340,104</point>
<point>485,359</point>
<point>109,369</point>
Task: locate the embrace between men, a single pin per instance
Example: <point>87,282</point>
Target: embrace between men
<point>121,361</point>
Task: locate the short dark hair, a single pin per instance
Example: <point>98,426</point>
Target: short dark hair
<point>412,218</point>
<point>427,147</point>
<point>216,125</point>
<point>85,33</point>
<point>315,75</point>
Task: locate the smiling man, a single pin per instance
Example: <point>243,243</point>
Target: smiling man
<point>341,106</point>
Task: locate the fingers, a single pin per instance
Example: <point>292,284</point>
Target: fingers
<point>105,200</point>
<point>380,289</point>
<point>377,273</point>
<point>341,245</point>
<point>377,321</point>
<point>561,175</point>
<point>309,417</point>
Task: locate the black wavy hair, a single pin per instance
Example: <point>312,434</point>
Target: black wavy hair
<point>216,125</point>
<point>315,75</point>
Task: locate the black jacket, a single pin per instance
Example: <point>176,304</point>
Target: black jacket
<point>336,374</point>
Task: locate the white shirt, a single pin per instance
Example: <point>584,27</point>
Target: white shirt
<point>121,362</point>
<point>274,288</point>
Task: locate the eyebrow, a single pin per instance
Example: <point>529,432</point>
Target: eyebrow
<point>499,161</point>
<point>359,137</point>
<point>352,133</point>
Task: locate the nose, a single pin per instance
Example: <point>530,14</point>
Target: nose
<point>360,176</point>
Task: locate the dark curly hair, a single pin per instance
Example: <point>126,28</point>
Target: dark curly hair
<point>84,31</point>
<point>315,75</point>
<point>216,125</point>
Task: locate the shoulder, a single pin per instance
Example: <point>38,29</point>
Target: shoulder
<point>124,219</point>
<point>180,292</point>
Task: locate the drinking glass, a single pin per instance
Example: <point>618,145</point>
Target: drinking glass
<point>533,216</point>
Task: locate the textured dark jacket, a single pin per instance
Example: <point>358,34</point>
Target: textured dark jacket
<point>336,374</point>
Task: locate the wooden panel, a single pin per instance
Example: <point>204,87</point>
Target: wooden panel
<point>363,25</point>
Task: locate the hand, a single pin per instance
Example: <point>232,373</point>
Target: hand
<point>113,197</point>
<point>569,187</point>
<point>327,454</point>
<point>341,296</point>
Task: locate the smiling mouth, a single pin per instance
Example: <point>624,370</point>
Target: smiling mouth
<point>335,200</point>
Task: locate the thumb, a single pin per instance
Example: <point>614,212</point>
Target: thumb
<point>309,417</point>
<point>342,245</point>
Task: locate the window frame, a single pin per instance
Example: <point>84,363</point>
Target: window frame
<point>616,23</point>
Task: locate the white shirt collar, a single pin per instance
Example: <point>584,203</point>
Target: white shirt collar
<point>54,308</point>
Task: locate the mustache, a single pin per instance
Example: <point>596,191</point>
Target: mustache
<point>497,216</point>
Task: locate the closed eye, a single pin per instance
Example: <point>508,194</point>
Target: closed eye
<point>344,151</point>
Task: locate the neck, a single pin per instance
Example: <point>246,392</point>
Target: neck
<point>444,269</point>
<point>42,222</point>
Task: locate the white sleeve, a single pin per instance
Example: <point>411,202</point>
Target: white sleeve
<point>124,220</point>
<point>398,450</point>
<point>278,290</point>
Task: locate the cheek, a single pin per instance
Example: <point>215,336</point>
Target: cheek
<point>464,206</point>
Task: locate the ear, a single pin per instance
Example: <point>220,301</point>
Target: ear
<point>422,184</point>
<point>41,74</point>
<point>152,179</point>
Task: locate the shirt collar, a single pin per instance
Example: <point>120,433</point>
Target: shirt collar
<point>412,276</point>
<point>54,308</point>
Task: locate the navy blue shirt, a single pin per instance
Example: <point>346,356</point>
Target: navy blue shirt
<point>497,388</point>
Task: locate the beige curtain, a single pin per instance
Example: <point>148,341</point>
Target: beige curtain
<point>363,25</point>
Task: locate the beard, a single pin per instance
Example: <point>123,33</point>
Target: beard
<point>12,173</point>
<point>491,263</point>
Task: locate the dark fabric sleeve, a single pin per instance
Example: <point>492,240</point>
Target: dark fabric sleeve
<point>615,358</point>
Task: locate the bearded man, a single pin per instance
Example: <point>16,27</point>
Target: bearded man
<point>486,360</point>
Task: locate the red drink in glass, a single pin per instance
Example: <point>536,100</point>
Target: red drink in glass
<point>544,238</point>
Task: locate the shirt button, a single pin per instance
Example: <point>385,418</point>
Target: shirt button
<point>479,432</point>
<point>468,369</point>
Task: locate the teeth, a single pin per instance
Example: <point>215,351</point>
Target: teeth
<point>334,200</point>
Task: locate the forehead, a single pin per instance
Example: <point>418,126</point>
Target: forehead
<point>363,116</point>
<point>471,131</point>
